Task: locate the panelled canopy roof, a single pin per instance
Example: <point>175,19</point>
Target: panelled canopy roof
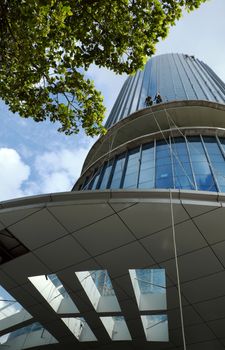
<point>86,241</point>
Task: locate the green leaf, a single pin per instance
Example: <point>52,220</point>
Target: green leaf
<point>47,44</point>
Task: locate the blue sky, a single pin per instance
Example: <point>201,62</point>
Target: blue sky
<point>35,158</point>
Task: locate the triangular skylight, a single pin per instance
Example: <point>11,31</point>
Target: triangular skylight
<point>30,336</point>
<point>54,293</point>
<point>116,327</point>
<point>11,312</point>
<point>99,289</point>
<point>80,329</point>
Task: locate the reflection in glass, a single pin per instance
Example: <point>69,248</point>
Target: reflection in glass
<point>203,175</point>
<point>80,329</point>
<point>147,167</point>
<point>175,76</point>
<point>183,176</point>
<point>164,176</point>
<point>149,288</point>
<point>105,175</point>
<point>27,337</point>
<point>99,289</point>
<point>132,168</point>
<point>11,312</point>
<point>116,327</point>
<point>190,163</point>
<point>54,293</point>
<point>118,171</point>
<point>217,160</point>
<point>156,327</point>
<point>94,181</point>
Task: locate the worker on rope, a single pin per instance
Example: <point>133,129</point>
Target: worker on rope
<point>148,101</point>
<point>158,98</point>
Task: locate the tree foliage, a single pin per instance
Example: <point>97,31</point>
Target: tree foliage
<point>46,47</point>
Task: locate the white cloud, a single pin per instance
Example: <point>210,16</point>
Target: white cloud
<point>49,172</point>
<point>57,171</point>
<point>14,172</point>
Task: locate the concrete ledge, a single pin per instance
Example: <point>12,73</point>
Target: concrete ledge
<point>98,196</point>
<point>195,113</point>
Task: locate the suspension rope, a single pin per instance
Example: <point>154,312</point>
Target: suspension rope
<point>156,324</point>
<point>193,184</point>
<point>174,243</point>
<point>177,270</point>
<point>171,150</point>
<point>150,283</point>
<point>214,171</point>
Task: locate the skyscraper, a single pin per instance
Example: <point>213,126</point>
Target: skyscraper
<point>133,257</point>
<point>173,137</point>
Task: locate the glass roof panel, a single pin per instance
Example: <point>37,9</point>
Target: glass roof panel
<point>116,327</point>
<point>52,289</point>
<point>156,327</point>
<point>149,288</point>
<point>11,312</point>
<point>79,327</point>
<point>27,337</point>
<point>99,289</point>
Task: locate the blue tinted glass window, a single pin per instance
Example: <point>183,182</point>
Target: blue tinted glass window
<point>147,167</point>
<point>202,171</point>
<point>132,169</point>
<point>176,77</point>
<point>131,95</point>
<point>182,169</point>
<point>153,88</point>
<point>105,175</point>
<point>216,159</point>
<point>222,142</point>
<point>195,84</point>
<point>94,181</point>
<point>198,163</point>
<point>165,79</point>
<point>134,101</point>
<point>118,171</point>
<point>181,66</point>
<point>151,280</point>
<point>85,184</point>
<point>164,175</point>
<point>145,83</point>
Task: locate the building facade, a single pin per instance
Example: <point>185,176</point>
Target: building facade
<point>133,257</point>
<point>175,76</point>
<point>176,157</point>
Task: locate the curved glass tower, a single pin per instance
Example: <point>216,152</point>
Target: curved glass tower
<point>178,143</point>
<point>175,76</point>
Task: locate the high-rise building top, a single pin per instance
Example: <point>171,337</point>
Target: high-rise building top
<point>175,77</point>
<point>159,133</point>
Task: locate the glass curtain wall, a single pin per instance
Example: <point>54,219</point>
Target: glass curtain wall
<point>175,77</point>
<point>189,163</point>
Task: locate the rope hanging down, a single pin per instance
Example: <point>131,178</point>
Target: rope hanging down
<point>177,270</point>
<point>171,150</point>
<point>214,171</point>
<point>175,247</point>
